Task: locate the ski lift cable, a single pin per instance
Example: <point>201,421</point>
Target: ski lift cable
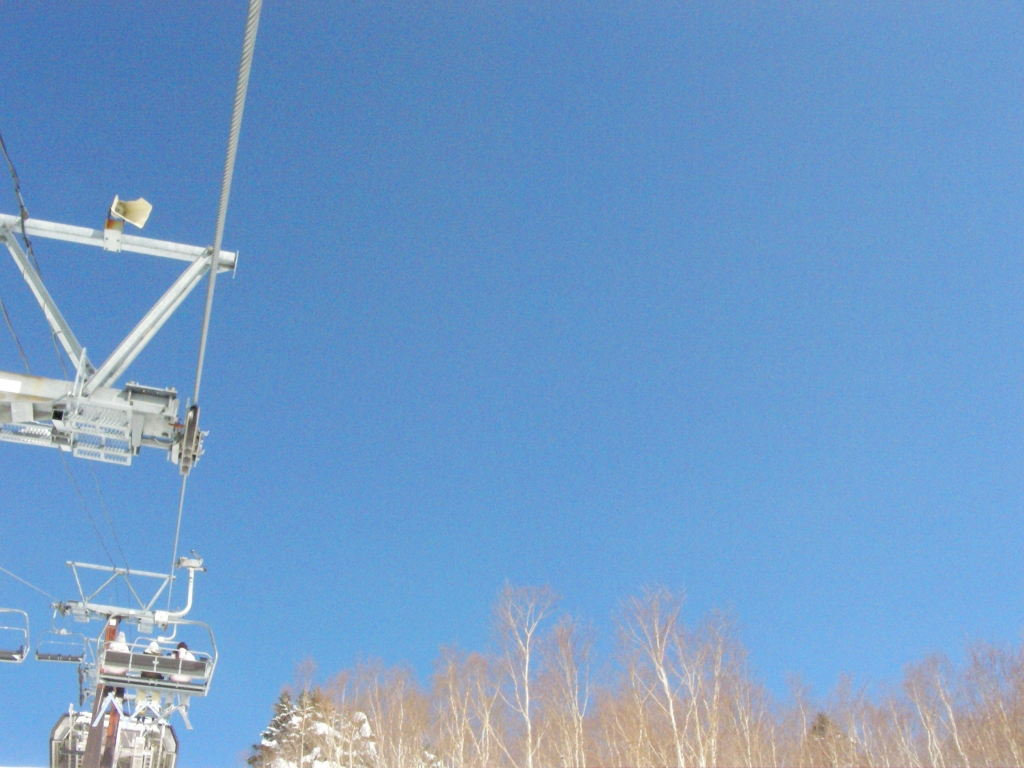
<point>60,355</point>
<point>24,214</point>
<point>241,87</point>
<point>106,512</point>
<point>177,534</point>
<point>10,327</point>
<point>16,577</point>
<point>85,508</point>
<point>22,210</point>
<point>252,24</point>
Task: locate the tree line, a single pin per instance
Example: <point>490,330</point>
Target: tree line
<point>673,695</point>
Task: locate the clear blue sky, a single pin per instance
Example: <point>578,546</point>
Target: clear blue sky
<point>722,297</point>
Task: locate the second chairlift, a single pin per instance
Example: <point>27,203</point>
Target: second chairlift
<point>59,644</point>
<point>14,640</point>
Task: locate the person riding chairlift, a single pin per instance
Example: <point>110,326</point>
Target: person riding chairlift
<point>153,649</point>
<point>120,645</point>
<point>182,652</point>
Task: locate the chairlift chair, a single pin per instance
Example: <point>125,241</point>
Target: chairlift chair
<point>14,640</point>
<point>162,672</point>
<point>62,645</point>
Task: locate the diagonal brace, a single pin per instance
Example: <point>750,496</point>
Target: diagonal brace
<point>141,335</point>
<point>49,306</point>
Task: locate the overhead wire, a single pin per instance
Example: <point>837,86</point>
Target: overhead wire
<point>60,355</point>
<point>22,210</point>
<point>241,88</point>
<point>24,215</point>
<point>16,577</point>
<point>31,251</point>
<point>252,24</point>
<point>106,513</point>
<point>85,508</point>
<point>177,535</point>
<point>14,334</point>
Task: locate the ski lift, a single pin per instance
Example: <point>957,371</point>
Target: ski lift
<point>159,664</point>
<point>14,642</point>
<point>62,645</point>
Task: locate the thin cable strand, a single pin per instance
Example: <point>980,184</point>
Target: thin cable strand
<point>22,210</point>
<point>177,532</point>
<point>106,512</point>
<point>10,327</point>
<point>24,213</point>
<point>16,577</point>
<point>85,508</point>
<point>60,356</point>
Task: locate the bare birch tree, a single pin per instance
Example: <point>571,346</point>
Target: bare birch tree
<point>398,712</point>
<point>518,615</point>
<point>564,691</point>
<point>466,699</point>
<point>651,624</point>
<point>669,697</point>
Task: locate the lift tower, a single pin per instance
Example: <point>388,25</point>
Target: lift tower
<point>89,417</point>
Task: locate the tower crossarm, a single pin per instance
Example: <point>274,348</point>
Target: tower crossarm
<point>130,243</point>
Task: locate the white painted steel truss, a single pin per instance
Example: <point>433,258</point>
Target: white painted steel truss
<point>89,417</point>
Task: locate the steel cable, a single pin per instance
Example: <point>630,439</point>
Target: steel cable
<point>24,215</point>
<point>252,24</point>
<point>241,88</point>
<point>16,577</point>
<point>85,507</point>
<point>106,512</point>
<point>21,349</point>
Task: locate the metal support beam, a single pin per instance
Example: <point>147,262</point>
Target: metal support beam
<point>140,336</point>
<point>89,418</point>
<point>49,306</point>
<point>131,243</point>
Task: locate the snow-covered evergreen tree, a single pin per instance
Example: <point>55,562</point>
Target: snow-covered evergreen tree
<point>312,732</point>
<point>276,733</point>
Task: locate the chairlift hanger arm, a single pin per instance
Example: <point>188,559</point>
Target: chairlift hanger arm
<point>131,243</point>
